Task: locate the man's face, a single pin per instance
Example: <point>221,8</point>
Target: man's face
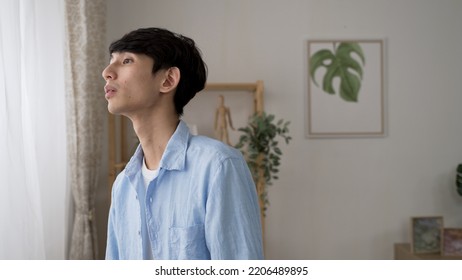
<point>131,87</point>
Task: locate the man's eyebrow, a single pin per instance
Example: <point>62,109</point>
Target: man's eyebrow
<point>111,56</point>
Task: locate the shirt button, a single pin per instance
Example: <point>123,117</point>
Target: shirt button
<point>139,232</point>
<point>136,197</point>
<point>150,200</point>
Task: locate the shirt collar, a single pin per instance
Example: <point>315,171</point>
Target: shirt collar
<point>174,156</point>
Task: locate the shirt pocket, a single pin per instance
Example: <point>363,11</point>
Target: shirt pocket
<point>188,243</point>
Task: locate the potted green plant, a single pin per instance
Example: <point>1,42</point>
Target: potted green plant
<point>459,179</point>
<point>260,146</point>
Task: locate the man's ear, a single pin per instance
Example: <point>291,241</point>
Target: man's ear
<point>172,78</point>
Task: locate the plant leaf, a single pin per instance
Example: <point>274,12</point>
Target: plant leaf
<point>319,59</point>
<point>341,65</point>
<point>346,48</point>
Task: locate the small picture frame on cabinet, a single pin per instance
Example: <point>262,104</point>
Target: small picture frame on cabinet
<point>451,245</point>
<point>426,234</point>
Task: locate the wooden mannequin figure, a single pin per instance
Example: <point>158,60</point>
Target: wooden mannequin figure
<point>222,118</point>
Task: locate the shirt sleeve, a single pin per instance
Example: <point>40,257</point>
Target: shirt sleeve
<point>232,223</point>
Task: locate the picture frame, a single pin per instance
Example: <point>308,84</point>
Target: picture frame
<point>451,245</point>
<point>345,101</point>
<point>426,234</point>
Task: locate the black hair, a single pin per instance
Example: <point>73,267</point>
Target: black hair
<point>168,49</point>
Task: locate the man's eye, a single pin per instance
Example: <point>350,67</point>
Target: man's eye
<point>127,60</point>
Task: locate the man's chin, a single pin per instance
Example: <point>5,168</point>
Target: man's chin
<point>113,110</point>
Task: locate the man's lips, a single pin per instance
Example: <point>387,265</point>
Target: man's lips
<point>110,91</point>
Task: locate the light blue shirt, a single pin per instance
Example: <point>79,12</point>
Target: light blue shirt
<point>202,205</point>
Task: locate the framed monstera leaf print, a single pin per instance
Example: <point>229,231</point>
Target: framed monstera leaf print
<point>345,88</point>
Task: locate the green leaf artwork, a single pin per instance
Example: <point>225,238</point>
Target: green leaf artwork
<point>342,65</point>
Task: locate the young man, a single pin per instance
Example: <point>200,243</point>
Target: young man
<point>180,196</point>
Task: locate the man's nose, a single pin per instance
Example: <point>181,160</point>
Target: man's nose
<point>108,73</point>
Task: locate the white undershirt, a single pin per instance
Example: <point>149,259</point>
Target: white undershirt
<point>148,176</point>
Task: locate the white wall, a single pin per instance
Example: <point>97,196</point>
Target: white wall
<point>338,198</point>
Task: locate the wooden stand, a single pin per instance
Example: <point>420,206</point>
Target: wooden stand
<point>255,88</point>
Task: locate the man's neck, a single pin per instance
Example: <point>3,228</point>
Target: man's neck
<point>154,132</point>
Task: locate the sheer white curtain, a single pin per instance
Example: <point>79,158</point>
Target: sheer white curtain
<point>33,192</point>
